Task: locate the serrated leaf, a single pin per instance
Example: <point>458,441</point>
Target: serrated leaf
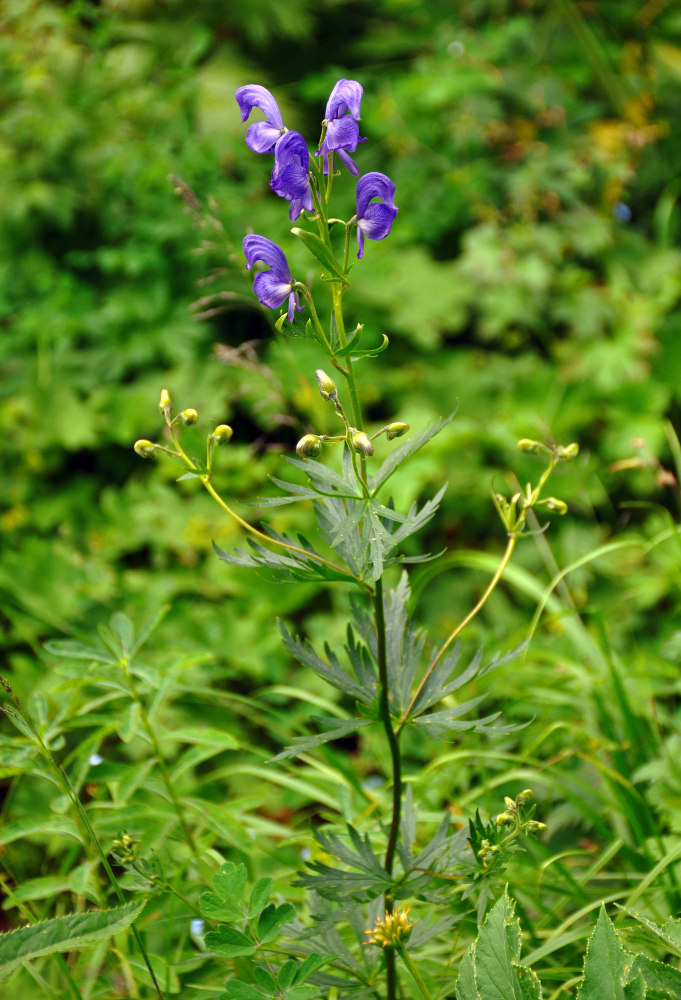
<point>272,919</point>
<point>229,942</point>
<point>606,965</point>
<point>657,976</point>
<point>321,252</point>
<point>330,671</point>
<point>75,931</point>
<point>465,984</point>
<point>497,950</point>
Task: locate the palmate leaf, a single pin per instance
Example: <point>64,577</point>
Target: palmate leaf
<point>285,565</point>
<point>69,933</point>
<point>333,729</point>
<point>366,880</point>
<point>330,669</point>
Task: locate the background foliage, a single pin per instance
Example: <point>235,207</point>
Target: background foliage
<point>533,275</point>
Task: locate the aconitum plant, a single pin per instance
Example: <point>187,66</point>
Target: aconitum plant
<point>382,898</point>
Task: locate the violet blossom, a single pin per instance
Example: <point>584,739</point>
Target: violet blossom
<point>274,286</point>
<point>374,219</point>
<point>261,137</point>
<point>342,130</point>
<point>291,174</point>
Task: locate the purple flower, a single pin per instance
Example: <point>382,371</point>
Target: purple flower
<point>291,174</point>
<point>374,219</point>
<point>274,286</point>
<point>342,130</point>
<point>261,136</point>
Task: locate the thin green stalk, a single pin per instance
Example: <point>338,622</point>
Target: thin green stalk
<point>413,971</point>
<point>396,762</point>
<point>459,628</point>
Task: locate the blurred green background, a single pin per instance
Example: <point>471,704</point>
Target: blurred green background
<point>533,278</point>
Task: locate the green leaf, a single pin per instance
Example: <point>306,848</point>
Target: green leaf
<point>493,961</point>
<point>336,729</point>
<point>77,930</point>
<point>73,650</point>
<point>272,919</point>
<point>237,990</point>
<point>260,894</point>
<point>465,984</point>
<point>321,252</point>
<point>355,352</point>
<point>229,884</point>
<point>229,942</point>
<point>658,976</point>
<point>607,966</point>
<point>407,449</point>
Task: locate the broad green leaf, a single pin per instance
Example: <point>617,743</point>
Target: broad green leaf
<point>321,252</point>
<point>657,976</point>
<point>260,894</point>
<point>272,919</point>
<point>237,990</point>
<point>229,942</point>
<point>607,965</point>
<point>265,980</point>
<point>465,984</point>
<point>497,951</point>
<point>227,902</point>
<point>48,826</point>
<point>77,930</point>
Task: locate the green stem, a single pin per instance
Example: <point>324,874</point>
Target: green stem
<point>415,974</point>
<point>396,761</point>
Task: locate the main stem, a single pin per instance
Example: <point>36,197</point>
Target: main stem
<point>393,745</point>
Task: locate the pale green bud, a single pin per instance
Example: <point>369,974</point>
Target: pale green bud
<point>526,795</point>
<point>396,430</point>
<point>309,446</point>
<point>361,443</point>
<point>535,827</point>
<point>189,417</point>
<point>556,505</point>
<point>529,446</point>
<point>165,401</point>
<point>222,434</point>
<point>509,803</point>
<point>503,819</point>
<point>327,386</point>
<point>570,451</point>
<point>144,448</point>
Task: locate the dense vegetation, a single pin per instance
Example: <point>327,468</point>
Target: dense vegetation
<point>532,279</point>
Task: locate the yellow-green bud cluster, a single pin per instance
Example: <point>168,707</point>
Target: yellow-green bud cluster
<point>309,446</point>
<point>394,928</point>
<point>124,847</point>
<point>189,417</point>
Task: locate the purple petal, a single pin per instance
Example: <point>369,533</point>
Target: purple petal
<point>360,243</point>
<point>255,96</point>
<point>270,289</point>
<point>374,185</point>
<point>291,174</point>
<point>345,96</point>
<point>377,221</point>
<point>341,133</point>
<point>260,248</point>
<point>293,303</point>
<point>262,137</point>
<point>349,162</point>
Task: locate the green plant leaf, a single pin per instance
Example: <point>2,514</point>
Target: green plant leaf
<point>229,942</point>
<point>272,919</point>
<point>607,966</point>
<point>657,976</point>
<point>260,894</point>
<point>228,899</point>
<point>321,252</point>
<point>77,930</point>
<point>404,451</point>
<point>237,990</point>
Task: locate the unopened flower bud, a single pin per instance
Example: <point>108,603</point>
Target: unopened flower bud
<point>361,442</point>
<point>556,505</point>
<point>503,819</point>
<point>536,827</point>
<point>309,446</point>
<point>396,430</point>
<point>568,452</point>
<point>144,448</point>
<point>529,446</point>
<point>165,401</point>
<point>327,386</point>
<point>189,417</point>
<point>526,795</point>
<point>509,803</point>
<point>222,434</point>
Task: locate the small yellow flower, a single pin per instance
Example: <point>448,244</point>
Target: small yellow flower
<point>391,929</point>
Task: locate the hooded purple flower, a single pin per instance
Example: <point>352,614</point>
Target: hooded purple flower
<point>274,286</point>
<point>342,130</point>
<point>374,219</point>
<point>261,136</point>
<point>291,174</point>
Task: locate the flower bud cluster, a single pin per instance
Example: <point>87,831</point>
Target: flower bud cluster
<point>394,928</point>
<point>125,849</point>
